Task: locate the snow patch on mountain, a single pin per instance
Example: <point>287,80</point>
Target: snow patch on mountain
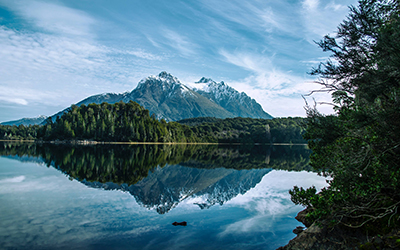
<point>165,79</point>
<point>218,90</point>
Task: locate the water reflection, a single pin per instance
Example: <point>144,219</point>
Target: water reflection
<point>70,205</point>
<point>162,176</point>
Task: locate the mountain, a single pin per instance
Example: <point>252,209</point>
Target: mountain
<point>26,121</point>
<point>164,188</point>
<point>229,98</point>
<point>167,98</point>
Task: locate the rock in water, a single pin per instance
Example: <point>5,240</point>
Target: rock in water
<point>183,223</point>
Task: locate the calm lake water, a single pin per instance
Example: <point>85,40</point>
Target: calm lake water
<point>128,196</point>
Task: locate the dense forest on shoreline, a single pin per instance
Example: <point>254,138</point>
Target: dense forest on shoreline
<point>130,122</point>
<point>358,148</point>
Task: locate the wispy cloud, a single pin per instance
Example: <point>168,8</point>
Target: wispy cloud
<point>62,51</point>
<point>179,42</point>
<point>320,18</point>
<point>270,201</point>
<point>16,179</point>
<point>255,16</point>
<point>310,5</point>
<point>277,91</point>
<point>23,96</point>
<point>31,61</point>
<point>144,55</point>
<point>53,17</point>
<point>45,67</point>
<point>263,72</point>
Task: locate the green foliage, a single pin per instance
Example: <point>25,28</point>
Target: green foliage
<point>303,197</point>
<point>20,132</point>
<point>114,122</point>
<point>358,147</point>
<point>248,130</point>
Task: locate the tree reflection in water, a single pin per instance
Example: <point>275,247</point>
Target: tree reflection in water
<point>161,176</point>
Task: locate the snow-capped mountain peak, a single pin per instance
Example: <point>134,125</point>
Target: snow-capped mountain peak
<point>205,80</point>
<point>164,78</point>
<point>217,90</point>
<point>204,84</point>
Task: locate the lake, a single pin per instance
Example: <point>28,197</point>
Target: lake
<point>128,196</point>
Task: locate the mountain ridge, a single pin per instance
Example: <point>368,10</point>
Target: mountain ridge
<point>26,121</point>
<point>165,96</point>
<point>227,97</point>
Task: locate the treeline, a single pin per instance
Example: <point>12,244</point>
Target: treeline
<point>130,122</point>
<point>248,130</point>
<point>114,122</point>
<point>21,132</point>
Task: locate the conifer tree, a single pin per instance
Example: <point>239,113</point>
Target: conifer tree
<point>359,146</point>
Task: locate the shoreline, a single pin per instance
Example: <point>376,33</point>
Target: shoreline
<point>319,235</point>
<point>90,142</point>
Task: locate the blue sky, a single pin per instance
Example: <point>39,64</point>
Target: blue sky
<point>56,53</point>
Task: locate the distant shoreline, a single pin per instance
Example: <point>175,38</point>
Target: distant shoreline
<point>89,142</point>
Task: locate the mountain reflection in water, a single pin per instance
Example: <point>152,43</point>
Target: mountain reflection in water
<point>128,196</point>
<point>161,176</point>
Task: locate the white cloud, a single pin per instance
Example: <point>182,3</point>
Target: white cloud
<point>336,7</point>
<point>255,16</point>
<point>321,18</point>
<point>63,54</point>
<point>63,62</point>
<point>279,93</point>
<point>52,69</point>
<point>310,4</point>
<point>19,101</point>
<point>286,101</point>
<point>261,66</point>
<point>246,61</point>
<point>144,55</point>
<point>53,17</point>
<point>270,19</point>
<point>16,179</point>
<point>23,96</point>
<point>179,42</point>
<point>270,201</point>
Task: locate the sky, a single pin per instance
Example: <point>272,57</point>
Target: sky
<point>56,53</point>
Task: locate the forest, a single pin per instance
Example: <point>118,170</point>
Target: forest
<point>358,148</point>
<point>248,130</point>
<point>130,122</point>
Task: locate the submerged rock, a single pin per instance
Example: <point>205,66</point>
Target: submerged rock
<point>183,223</point>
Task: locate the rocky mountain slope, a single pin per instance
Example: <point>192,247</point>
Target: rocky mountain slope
<point>230,99</point>
<point>26,121</point>
<point>167,98</point>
